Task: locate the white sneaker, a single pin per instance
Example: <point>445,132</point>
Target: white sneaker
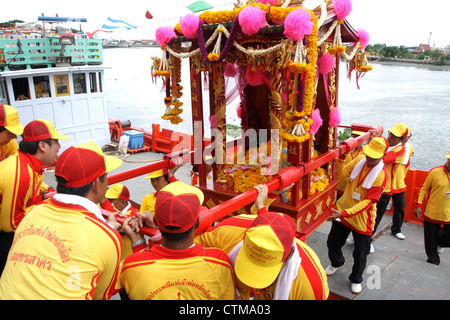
<point>400,236</point>
<point>356,287</point>
<point>440,250</point>
<point>372,248</point>
<point>330,270</point>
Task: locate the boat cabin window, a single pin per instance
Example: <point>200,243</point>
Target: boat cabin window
<point>79,83</point>
<point>61,84</point>
<point>41,87</point>
<point>21,89</point>
<point>96,81</point>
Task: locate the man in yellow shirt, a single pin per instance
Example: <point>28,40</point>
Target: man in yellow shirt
<point>395,187</point>
<point>437,187</point>
<point>348,158</point>
<point>269,262</point>
<point>367,179</point>
<point>21,177</point>
<point>64,249</point>
<point>9,128</point>
<point>177,269</point>
<point>399,190</point>
<point>159,179</point>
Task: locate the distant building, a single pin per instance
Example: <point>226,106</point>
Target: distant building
<point>421,48</point>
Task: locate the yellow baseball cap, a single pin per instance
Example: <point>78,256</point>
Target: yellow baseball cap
<point>82,164</point>
<point>118,191</point>
<point>157,173</point>
<point>448,156</point>
<point>9,118</point>
<point>399,130</point>
<point>267,244</point>
<point>40,129</point>
<point>376,148</point>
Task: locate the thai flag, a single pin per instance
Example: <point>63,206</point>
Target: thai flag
<point>117,24</point>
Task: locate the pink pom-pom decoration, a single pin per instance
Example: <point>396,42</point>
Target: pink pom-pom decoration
<point>317,122</point>
<point>298,24</point>
<point>189,25</point>
<point>231,70</point>
<point>364,37</point>
<point>325,64</point>
<point>342,8</point>
<point>335,117</point>
<point>164,35</point>
<point>251,19</point>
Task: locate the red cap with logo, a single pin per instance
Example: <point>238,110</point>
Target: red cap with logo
<point>177,207</point>
<point>82,164</point>
<point>38,130</point>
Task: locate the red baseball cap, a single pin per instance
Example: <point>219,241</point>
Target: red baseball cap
<point>178,205</point>
<point>82,164</point>
<point>267,243</point>
<point>40,129</point>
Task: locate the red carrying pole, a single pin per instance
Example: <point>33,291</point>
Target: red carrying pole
<point>166,162</point>
<point>280,181</point>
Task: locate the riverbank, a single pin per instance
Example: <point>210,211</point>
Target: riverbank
<point>412,62</point>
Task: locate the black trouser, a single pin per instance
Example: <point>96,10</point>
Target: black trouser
<point>336,240</point>
<point>398,202</point>
<point>6,240</point>
<point>434,238</point>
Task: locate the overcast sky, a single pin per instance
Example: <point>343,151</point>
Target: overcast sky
<point>393,22</point>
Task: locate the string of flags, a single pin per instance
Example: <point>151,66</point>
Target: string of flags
<point>114,24</point>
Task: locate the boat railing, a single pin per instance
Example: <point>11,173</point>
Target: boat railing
<point>43,51</point>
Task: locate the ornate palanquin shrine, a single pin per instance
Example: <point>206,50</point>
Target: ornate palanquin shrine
<point>283,62</point>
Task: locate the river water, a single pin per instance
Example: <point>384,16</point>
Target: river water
<point>418,96</point>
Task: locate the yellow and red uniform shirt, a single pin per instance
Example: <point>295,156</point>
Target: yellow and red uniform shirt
<point>402,170</point>
<point>437,187</point>
<point>148,203</point>
<point>62,251</point>
<point>196,273</point>
<point>8,149</point>
<point>20,182</point>
<point>340,166</point>
<point>393,164</point>
<point>359,215</point>
<point>311,282</point>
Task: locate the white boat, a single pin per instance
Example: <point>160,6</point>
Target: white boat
<point>58,78</point>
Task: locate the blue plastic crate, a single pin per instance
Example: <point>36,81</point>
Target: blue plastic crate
<point>136,139</point>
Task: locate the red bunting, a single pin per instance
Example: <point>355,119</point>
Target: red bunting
<point>148,15</point>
